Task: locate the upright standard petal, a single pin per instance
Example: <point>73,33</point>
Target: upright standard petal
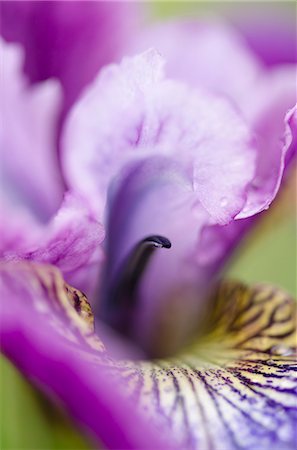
<point>153,115</point>
<point>182,160</point>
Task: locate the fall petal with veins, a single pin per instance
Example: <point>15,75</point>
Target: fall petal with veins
<point>238,380</point>
<point>236,387</point>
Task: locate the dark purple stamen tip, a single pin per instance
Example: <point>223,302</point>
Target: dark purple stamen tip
<point>157,241</point>
<point>121,294</point>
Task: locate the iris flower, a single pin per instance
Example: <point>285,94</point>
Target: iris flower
<point>168,157</point>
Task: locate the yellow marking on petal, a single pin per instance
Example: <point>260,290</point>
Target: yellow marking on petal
<point>67,308</point>
<point>235,387</point>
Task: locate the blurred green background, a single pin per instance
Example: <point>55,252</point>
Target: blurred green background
<point>268,254</point>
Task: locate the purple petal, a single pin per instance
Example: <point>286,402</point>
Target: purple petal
<point>30,172</point>
<point>70,241</point>
<point>269,29</point>
<point>43,346</point>
<point>68,40</point>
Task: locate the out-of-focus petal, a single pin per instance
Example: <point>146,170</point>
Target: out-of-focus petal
<point>132,111</point>
<point>68,40</point>
<point>30,172</point>
<point>268,28</point>
<point>70,241</point>
<point>197,52</point>
<point>42,336</point>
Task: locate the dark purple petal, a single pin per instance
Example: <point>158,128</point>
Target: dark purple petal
<point>68,40</point>
<point>39,340</point>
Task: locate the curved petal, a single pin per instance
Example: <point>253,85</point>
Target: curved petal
<point>268,177</point>
<point>38,337</point>
<point>68,40</point>
<point>70,241</point>
<point>155,197</point>
<point>132,112</point>
<point>28,131</point>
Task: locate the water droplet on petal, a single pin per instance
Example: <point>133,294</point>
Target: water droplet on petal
<point>270,362</point>
<point>256,183</point>
<point>281,350</point>
<point>223,202</point>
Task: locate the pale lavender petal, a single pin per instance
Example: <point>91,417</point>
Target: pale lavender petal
<point>36,338</point>
<point>30,172</point>
<point>153,115</point>
<point>68,40</point>
<point>197,52</point>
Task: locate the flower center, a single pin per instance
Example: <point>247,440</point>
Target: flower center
<point>121,292</point>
